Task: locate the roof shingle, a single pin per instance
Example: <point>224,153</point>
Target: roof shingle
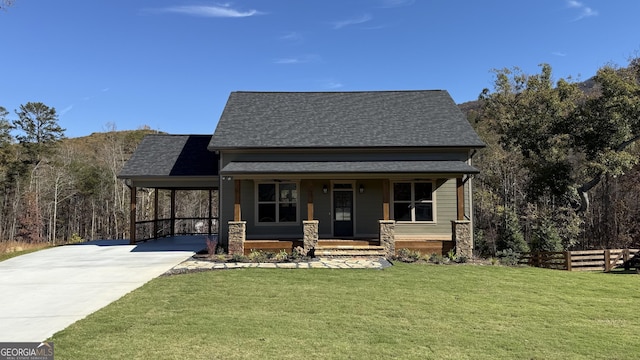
<point>171,155</point>
<point>427,118</point>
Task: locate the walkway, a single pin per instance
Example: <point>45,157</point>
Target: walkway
<point>43,292</point>
<point>322,263</point>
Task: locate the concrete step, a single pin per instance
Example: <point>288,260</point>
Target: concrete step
<point>350,250</point>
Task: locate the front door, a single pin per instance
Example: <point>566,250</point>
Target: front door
<point>342,210</point>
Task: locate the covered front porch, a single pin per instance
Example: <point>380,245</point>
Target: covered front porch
<point>359,215</point>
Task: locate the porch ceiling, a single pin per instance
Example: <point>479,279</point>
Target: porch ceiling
<point>348,167</point>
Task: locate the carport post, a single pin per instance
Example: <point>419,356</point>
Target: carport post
<point>173,212</point>
<point>132,216</point>
<point>210,210</point>
<point>155,214</point>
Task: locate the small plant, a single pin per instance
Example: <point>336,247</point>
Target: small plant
<point>258,256</point>
<point>212,245</point>
<point>494,261</point>
<point>221,257</point>
<point>238,258</point>
<point>461,259</point>
<point>281,256</point>
<point>438,259</point>
<point>220,250</point>
<point>508,257</point>
<point>451,255</point>
<point>298,253</point>
<point>407,255</point>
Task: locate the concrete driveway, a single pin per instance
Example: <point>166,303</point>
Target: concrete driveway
<point>42,293</point>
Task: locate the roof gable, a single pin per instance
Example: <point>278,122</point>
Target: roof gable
<point>343,120</point>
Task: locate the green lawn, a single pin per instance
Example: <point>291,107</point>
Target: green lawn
<point>409,311</point>
<point>9,255</point>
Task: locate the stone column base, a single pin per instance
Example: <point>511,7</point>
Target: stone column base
<point>461,231</point>
<point>388,237</point>
<point>310,239</point>
<point>237,235</point>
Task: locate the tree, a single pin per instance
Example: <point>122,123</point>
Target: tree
<point>530,113</point>
<point>39,129</point>
<point>5,137</point>
<point>608,124</point>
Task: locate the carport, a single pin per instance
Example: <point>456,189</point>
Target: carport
<point>171,163</point>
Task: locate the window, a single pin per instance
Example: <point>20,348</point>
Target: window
<point>277,203</point>
<point>413,201</point>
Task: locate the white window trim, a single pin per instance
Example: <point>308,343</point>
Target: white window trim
<point>276,202</point>
<point>413,214</point>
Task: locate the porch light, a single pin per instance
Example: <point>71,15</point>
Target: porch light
<point>325,189</point>
<point>361,189</point>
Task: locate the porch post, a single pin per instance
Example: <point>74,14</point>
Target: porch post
<point>155,214</point>
<point>310,240</point>
<point>132,215</point>
<point>461,231</point>
<point>385,199</point>
<point>237,236</point>
<point>173,212</point>
<point>237,210</point>
<point>310,201</point>
<point>237,227</point>
<point>460,198</point>
<point>388,237</point>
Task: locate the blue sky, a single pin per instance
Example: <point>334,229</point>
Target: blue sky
<point>171,64</point>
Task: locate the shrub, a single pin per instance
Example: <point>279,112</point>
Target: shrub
<point>452,255</point>
<point>258,256</point>
<point>545,237</point>
<point>407,255</point>
<point>461,259</point>
<point>281,256</point>
<point>212,245</point>
<point>508,257</point>
<point>75,239</point>
<point>438,259</point>
<point>510,235</point>
<point>238,258</point>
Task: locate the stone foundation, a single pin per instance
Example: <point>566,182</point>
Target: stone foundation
<point>388,237</point>
<point>461,230</point>
<point>310,240</point>
<point>237,235</point>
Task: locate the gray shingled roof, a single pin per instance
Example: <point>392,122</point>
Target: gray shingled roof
<point>171,155</point>
<point>342,119</point>
<point>321,167</point>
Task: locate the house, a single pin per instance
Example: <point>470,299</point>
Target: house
<point>383,169</point>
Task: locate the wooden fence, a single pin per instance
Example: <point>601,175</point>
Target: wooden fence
<point>585,260</point>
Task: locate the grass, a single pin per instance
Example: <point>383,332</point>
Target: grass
<point>409,311</point>
<point>10,249</point>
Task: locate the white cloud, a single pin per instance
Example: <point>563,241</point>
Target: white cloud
<point>558,53</point>
<point>395,3</point>
<point>332,85</point>
<point>353,21</point>
<point>574,4</point>
<point>65,110</point>
<point>584,11</point>
<point>291,36</point>
<point>219,10</point>
<point>297,60</point>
